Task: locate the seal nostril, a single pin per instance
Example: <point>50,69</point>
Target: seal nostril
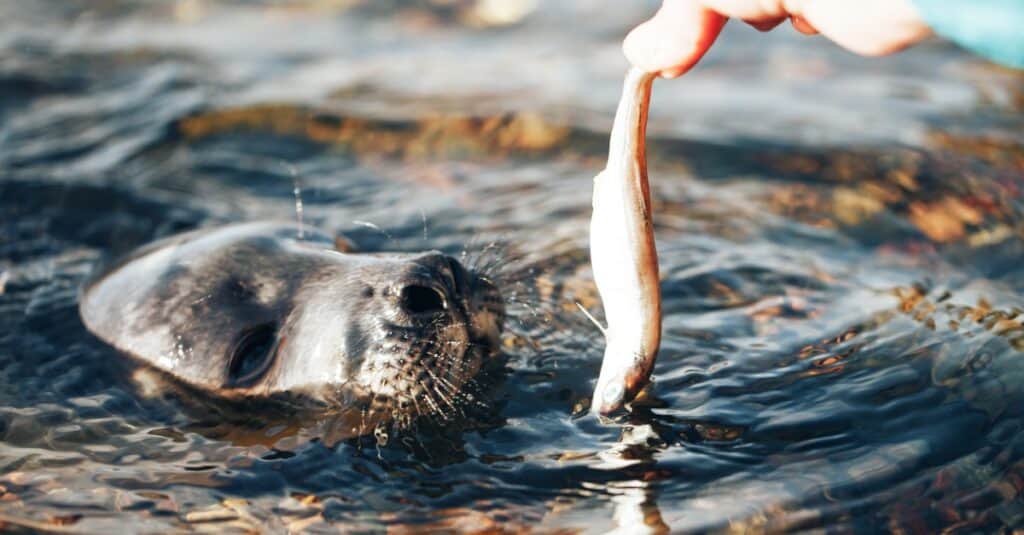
<point>417,299</point>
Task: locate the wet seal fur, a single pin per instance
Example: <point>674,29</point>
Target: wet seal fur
<point>252,311</point>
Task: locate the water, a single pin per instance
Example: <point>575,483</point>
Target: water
<point>840,243</point>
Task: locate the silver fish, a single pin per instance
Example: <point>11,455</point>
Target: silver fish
<point>623,255</point>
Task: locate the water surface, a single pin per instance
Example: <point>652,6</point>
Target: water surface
<point>840,243</point>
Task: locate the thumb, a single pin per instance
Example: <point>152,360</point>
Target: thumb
<point>675,39</point>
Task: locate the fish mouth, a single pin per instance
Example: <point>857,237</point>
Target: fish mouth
<point>621,379</point>
<point>612,396</point>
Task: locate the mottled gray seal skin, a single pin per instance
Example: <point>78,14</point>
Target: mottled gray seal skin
<point>251,310</point>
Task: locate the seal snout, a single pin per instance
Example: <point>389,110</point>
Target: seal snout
<point>443,322</point>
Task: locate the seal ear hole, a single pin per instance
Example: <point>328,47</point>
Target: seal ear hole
<point>417,299</point>
<point>251,357</point>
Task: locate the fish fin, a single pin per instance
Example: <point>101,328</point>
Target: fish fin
<point>593,320</point>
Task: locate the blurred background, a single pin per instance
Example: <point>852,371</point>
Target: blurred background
<point>840,240</point>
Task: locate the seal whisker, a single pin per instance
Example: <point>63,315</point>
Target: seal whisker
<point>452,391</point>
<point>444,381</point>
<point>448,396</point>
<point>447,399</point>
<point>416,403</point>
<point>498,257</point>
<point>465,397</point>
<point>490,261</point>
<point>428,397</point>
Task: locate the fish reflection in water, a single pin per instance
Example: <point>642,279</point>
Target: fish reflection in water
<point>841,276</point>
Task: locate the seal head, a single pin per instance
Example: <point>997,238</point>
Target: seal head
<point>251,310</point>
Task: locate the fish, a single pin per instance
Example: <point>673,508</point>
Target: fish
<point>623,255</point>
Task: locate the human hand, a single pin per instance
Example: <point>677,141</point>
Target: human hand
<point>679,34</point>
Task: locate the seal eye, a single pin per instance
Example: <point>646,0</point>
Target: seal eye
<point>250,358</point>
<point>421,300</point>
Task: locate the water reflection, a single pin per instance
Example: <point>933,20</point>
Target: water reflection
<point>635,502</point>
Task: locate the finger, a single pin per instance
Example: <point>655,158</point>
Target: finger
<point>867,27</point>
<point>803,26</point>
<point>764,25</point>
<point>675,39</point>
<point>755,10</point>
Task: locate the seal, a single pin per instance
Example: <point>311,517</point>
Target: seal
<point>251,310</point>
